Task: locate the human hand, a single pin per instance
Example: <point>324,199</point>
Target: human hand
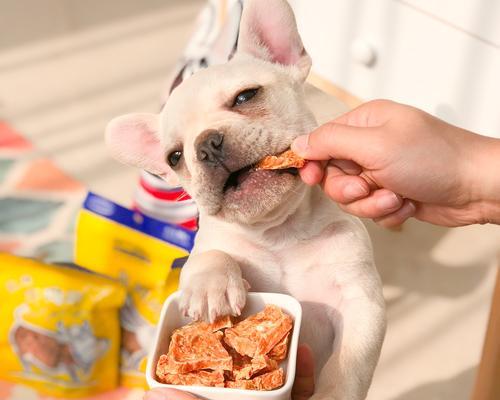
<point>389,162</point>
<point>303,387</point>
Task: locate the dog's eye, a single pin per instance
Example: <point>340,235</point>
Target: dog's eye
<point>174,158</point>
<point>244,96</point>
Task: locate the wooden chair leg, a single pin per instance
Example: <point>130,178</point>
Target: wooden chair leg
<point>487,385</point>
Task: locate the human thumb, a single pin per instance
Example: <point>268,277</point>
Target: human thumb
<point>334,141</point>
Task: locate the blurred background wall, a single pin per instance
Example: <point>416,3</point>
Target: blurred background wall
<point>67,67</point>
<point>27,21</point>
<point>442,56</point>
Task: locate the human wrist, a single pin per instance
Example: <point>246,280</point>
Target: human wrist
<point>486,171</point>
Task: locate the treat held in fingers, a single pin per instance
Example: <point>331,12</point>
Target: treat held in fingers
<point>285,160</point>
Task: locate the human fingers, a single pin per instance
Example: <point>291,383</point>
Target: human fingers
<point>335,141</point>
<point>397,218</point>
<point>348,166</point>
<point>343,188</point>
<point>379,203</point>
<point>303,386</point>
<point>312,172</point>
<point>372,113</point>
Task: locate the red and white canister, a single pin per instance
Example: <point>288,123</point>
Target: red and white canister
<point>155,198</point>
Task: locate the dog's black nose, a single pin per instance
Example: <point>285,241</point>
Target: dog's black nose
<point>210,148</point>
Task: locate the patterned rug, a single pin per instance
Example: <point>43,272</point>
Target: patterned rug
<point>38,206</point>
<point>38,201</point>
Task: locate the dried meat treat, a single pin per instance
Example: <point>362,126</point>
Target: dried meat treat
<point>245,367</point>
<point>218,325</point>
<point>240,363</point>
<point>43,348</point>
<point>130,342</point>
<point>269,381</point>
<point>259,333</point>
<point>241,384</point>
<point>288,159</point>
<point>280,351</point>
<point>199,378</point>
<point>222,323</point>
<point>272,380</point>
<point>192,348</point>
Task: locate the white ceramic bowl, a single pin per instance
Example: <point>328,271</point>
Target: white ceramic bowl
<point>171,319</point>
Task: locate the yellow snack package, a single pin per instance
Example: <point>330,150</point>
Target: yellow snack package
<point>59,330</point>
<point>146,255</point>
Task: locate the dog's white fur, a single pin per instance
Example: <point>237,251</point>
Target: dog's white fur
<point>274,233</point>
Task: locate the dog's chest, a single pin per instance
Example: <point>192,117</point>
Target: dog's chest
<point>285,269</point>
<point>262,269</point>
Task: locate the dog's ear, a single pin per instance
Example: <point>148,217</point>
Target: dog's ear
<point>268,30</point>
<point>134,139</point>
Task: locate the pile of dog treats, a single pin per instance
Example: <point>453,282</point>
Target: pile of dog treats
<point>244,355</point>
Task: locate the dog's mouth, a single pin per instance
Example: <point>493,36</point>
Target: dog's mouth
<point>236,179</point>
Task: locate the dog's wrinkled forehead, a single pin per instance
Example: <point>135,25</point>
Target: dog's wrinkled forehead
<point>204,100</point>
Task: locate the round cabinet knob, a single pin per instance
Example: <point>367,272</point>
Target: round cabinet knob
<point>363,52</point>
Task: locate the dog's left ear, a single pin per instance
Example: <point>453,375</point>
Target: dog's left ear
<point>268,31</point>
<point>134,139</point>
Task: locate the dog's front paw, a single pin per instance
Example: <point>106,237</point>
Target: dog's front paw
<point>208,297</point>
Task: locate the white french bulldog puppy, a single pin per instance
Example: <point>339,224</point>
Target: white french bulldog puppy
<point>263,228</point>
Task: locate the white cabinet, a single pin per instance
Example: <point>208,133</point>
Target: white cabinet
<point>439,58</point>
<point>479,18</point>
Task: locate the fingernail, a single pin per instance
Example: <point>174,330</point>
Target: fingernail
<point>300,144</point>
<point>410,210</point>
<point>354,191</point>
<point>406,211</point>
<point>389,201</point>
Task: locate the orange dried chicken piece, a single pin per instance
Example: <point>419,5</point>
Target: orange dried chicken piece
<point>280,351</point>
<point>241,384</point>
<point>245,367</point>
<point>221,323</point>
<point>259,333</point>
<point>198,378</point>
<point>288,159</point>
<point>194,347</point>
<point>218,325</point>
<point>269,381</point>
